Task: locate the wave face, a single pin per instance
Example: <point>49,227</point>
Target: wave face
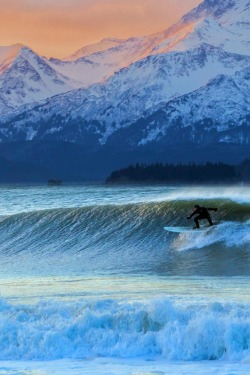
<point>126,238</point>
<point>109,328</point>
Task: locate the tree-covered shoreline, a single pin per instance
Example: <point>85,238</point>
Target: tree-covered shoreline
<point>208,173</point>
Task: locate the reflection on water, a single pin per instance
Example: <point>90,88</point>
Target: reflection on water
<point>198,289</point>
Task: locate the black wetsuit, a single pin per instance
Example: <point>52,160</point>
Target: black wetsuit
<point>202,213</point>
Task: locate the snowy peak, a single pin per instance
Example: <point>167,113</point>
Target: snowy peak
<point>221,23</point>
<point>10,52</point>
<point>8,55</point>
<point>111,56</point>
<point>27,77</point>
<point>103,45</point>
<point>229,13</point>
<point>206,31</point>
<point>212,8</point>
<point>39,64</point>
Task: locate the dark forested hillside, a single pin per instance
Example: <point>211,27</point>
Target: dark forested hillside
<point>190,173</point>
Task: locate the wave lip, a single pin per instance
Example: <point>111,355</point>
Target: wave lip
<point>124,329</point>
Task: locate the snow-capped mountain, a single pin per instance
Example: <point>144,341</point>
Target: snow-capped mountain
<point>7,56</point>
<point>25,77</point>
<point>99,66</point>
<point>101,46</point>
<point>212,22</point>
<point>190,82</point>
<point>129,94</point>
<point>227,12</point>
<point>221,24</point>
<point>191,114</point>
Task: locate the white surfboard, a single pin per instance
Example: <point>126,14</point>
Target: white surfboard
<point>185,229</point>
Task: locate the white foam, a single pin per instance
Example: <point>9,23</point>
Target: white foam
<point>231,234</point>
<point>125,329</point>
<point>238,194</point>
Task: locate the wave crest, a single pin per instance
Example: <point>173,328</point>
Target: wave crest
<point>154,328</point>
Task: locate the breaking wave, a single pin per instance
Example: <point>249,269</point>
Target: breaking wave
<point>152,328</point>
<point>118,237</point>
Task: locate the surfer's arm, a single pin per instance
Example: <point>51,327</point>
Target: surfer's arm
<point>213,209</point>
<point>192,214</point>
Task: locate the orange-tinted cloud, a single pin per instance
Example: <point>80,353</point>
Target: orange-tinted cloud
<point>60,27</point>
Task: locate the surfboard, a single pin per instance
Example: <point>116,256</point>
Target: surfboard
<point>185,229</point>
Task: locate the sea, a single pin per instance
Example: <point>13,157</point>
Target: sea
<point>91,283</point>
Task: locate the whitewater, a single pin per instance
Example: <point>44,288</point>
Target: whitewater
<point>91,283</point>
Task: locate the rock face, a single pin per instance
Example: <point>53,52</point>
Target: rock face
<point>187,85</point>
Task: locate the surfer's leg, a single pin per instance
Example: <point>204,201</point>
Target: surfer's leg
<point>209,220</point>
<point>196,220</point>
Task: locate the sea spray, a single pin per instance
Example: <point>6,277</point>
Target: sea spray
<point>158,327</point>
<point>228,234</point>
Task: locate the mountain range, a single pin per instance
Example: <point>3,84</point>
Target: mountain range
<point>179,95</point>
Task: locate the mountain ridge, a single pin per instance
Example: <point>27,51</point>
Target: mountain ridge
<point>189,82</point>
<point>115,90</point>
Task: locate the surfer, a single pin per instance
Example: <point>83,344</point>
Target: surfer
<point>202,213</point>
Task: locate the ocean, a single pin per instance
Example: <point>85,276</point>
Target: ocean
<point>90,283</point>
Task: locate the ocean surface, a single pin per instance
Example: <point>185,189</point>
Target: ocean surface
<point>90,283</point>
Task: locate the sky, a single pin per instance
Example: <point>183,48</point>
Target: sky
<point>57,28</point>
